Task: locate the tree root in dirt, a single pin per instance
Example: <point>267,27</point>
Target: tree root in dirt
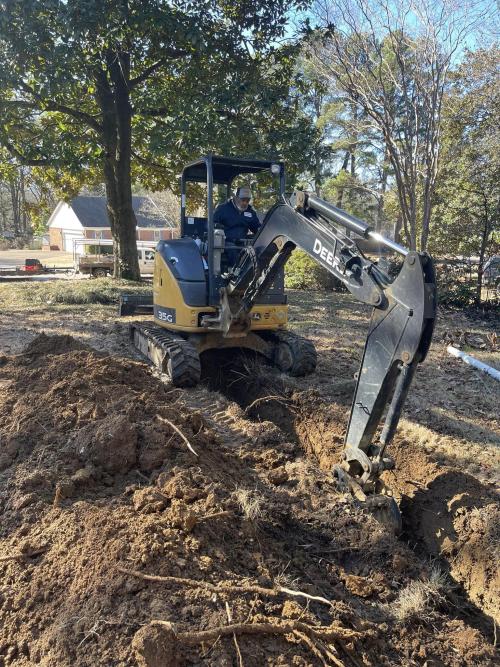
<point>235,640</point>
<point>218,588</point>
<point>157,644</point>
<point>179,433</point>
<point>275,626</point>
<point>261,399</point>
<point>30,553</point>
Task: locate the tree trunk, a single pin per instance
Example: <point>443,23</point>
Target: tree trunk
<point>113,98</point>
<point>24,211</point>
<point>16,212</point>
<point>482,251</point>
<point>317,172</point>
<point>381,199</point>
<point>426,217</point>
<point>345,164</point>
<point>397,229</point>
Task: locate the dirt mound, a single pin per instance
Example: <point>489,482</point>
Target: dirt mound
<point>456,517</point>
<point>120,546</point>
<point>61,344</point>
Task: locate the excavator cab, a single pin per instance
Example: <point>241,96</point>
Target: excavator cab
<point>217,175</point>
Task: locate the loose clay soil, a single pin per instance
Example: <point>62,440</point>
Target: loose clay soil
<point>264,560</point>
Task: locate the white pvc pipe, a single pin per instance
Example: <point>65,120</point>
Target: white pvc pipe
<point>474,362</point>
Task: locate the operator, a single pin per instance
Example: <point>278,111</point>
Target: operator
<point>236,217</point>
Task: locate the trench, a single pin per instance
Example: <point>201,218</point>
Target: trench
<point>245,377</point>
<point>448,515</point>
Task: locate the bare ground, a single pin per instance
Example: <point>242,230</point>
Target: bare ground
<point>94,476</point>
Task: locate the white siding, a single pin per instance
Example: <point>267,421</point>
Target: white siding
<point>65,218</point>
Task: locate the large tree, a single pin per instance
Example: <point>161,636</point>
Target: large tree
<point>468,192</point>
<point>84,82</point>
<point>392,60</point>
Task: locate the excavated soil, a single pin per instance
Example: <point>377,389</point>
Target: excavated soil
<point>449,513</point>
<point>103,467</point>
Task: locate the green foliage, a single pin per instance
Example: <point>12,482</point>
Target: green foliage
<point>302,272</point>
<point>126,92</point>
<point>197,80</point>
<point>347,191</point>
<point>457,292</point>
<point>467,219</point>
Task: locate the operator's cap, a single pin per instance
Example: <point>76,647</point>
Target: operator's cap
<point>244,192</point>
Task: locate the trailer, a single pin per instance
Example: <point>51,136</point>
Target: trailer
<point>99,262</point>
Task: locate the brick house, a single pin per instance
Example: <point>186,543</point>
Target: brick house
<point>85,217</point>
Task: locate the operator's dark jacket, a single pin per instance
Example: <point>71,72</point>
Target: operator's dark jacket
<point>236,223</point>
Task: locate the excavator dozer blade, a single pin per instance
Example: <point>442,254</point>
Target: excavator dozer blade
<point>135,303</point>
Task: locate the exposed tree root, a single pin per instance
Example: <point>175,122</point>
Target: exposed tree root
<point>278,399</point>
<point>216,515</point>
<point>179,433</point>
<point>275,626</point>
<point>158,643</point>
<point>236,645</point>
<point>223,588</point>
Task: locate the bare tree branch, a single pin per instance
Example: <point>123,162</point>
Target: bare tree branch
<point>392,59</point>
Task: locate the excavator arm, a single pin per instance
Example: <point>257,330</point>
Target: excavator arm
<point>400,329</point>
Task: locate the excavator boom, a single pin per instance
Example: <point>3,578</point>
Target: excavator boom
<point>400,329</point>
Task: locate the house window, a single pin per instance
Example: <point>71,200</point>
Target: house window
<point>98,235</point>
<point>157,235</point>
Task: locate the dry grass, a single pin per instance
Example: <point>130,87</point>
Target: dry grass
<point>419,599</point>
<point>251,503</point>
<point>50,294</point>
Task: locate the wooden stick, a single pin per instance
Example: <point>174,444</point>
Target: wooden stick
<point>180,433</point>
<point>219,588</point>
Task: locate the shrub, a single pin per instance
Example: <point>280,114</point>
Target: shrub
<point>302,272</point>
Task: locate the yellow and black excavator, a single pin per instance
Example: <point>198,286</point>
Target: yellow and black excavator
<point>201,303</point>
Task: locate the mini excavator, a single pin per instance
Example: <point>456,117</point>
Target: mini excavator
<point>200,303</point>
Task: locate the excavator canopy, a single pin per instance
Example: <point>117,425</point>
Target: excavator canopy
<point>225,169</point>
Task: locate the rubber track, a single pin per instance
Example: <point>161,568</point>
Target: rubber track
<point>185,369</point>
<point>303,351</point>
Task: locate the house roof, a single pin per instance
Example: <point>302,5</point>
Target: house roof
<point>91,212</point>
